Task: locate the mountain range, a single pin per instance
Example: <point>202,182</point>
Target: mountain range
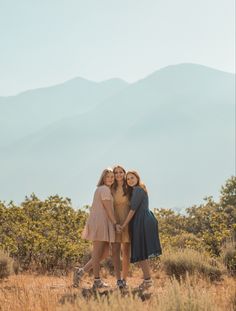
<point>175,126</point>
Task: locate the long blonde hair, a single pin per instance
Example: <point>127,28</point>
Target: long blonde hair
<point>140,183</point>
<point>103,175</point>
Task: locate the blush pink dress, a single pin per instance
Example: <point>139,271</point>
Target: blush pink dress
<point>98,226</point>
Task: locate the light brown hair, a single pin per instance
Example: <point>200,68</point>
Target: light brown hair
<point>115,185</point>
<point>140,183</point>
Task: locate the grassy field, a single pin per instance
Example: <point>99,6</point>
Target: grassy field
<point>29,292</point>
<point>44,237</point>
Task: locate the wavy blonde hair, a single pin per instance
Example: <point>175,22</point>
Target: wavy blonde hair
<point>103,176</point>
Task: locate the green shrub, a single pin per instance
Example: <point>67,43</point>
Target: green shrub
<point>187,261</point>
<point>6,265</point>
<point>186,240</point>
<point>43,236</point>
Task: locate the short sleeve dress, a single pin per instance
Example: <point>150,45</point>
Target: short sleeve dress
<point>121,208</point>
<point>145,242</point>
<point>98,226</point>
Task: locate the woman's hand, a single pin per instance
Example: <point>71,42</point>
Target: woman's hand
<point>122,227</point>
<point>128,218</point>
<point>118,228</point>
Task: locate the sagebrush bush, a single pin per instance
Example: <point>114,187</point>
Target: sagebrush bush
<point>187,240</point>
<point>44,236</point>
<point>187,261</point>
<point>229,256</point>
<point>86,256</point>
<point>6,265</point>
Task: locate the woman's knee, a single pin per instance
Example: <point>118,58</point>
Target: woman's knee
<point>98,248</point>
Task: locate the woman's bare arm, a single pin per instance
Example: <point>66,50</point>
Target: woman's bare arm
<point>128,218</point>
<point>108,208</point>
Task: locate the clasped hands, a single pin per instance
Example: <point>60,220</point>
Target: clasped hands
<point>119,228</point>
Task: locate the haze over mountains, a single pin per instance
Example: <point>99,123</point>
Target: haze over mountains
<point>175,126</point>
<point>35,109</point>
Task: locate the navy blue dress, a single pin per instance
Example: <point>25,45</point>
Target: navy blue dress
<point>145,242</point>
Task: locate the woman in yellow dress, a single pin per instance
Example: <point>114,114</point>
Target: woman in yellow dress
<point>121,205</point>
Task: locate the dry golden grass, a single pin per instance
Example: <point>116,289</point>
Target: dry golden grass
<point>179,262</point>
<point>48,293</point>
<point>6,265</point>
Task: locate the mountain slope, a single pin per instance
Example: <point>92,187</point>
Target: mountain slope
<point>33,110</point>
<point>176,127</point>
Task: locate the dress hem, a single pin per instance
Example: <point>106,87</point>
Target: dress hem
<point>133,260</point>
<point>98,240</point>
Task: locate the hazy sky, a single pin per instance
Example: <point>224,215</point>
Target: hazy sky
<point>45,42</point>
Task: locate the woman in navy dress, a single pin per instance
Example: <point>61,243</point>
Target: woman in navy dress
<point>145,243</point>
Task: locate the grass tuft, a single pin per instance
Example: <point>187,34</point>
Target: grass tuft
<point>6,265</point>
<point>229,256</point>
<point>187,261</point>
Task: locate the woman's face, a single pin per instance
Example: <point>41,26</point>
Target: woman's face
<point>109,179</point>
<point>119,174</point>
<point>132,180</point>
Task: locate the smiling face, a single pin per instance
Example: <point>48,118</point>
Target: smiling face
<point>119,174</point>
<point>131,180</point>
<point>108,179</point>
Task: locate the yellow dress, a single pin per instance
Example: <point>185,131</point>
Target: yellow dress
<point>121,209</point>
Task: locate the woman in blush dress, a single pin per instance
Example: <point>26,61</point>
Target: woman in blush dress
<point>122,239</point>
<point>145,241</point>
<point>100,229</point>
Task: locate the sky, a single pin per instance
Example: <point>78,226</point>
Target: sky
<point>47,42</point>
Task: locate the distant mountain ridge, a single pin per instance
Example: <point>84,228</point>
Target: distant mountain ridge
<point>35,109</point>
<point>176,126</point>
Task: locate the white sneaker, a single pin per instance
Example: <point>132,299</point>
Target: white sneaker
<point>98,283</point>
<point>125,284</point>
<point>146,284</point>
<point>77,276</point>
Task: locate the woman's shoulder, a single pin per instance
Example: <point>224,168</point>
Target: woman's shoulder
<point>104,191</point>
<point>103,188</point>
<point>139,190</point>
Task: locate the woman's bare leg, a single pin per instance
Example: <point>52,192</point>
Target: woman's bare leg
<point>145,268</point>
<point>89,265</point>
<point>125,259</point>
<point>116,259</point>
<point>98,250</point>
